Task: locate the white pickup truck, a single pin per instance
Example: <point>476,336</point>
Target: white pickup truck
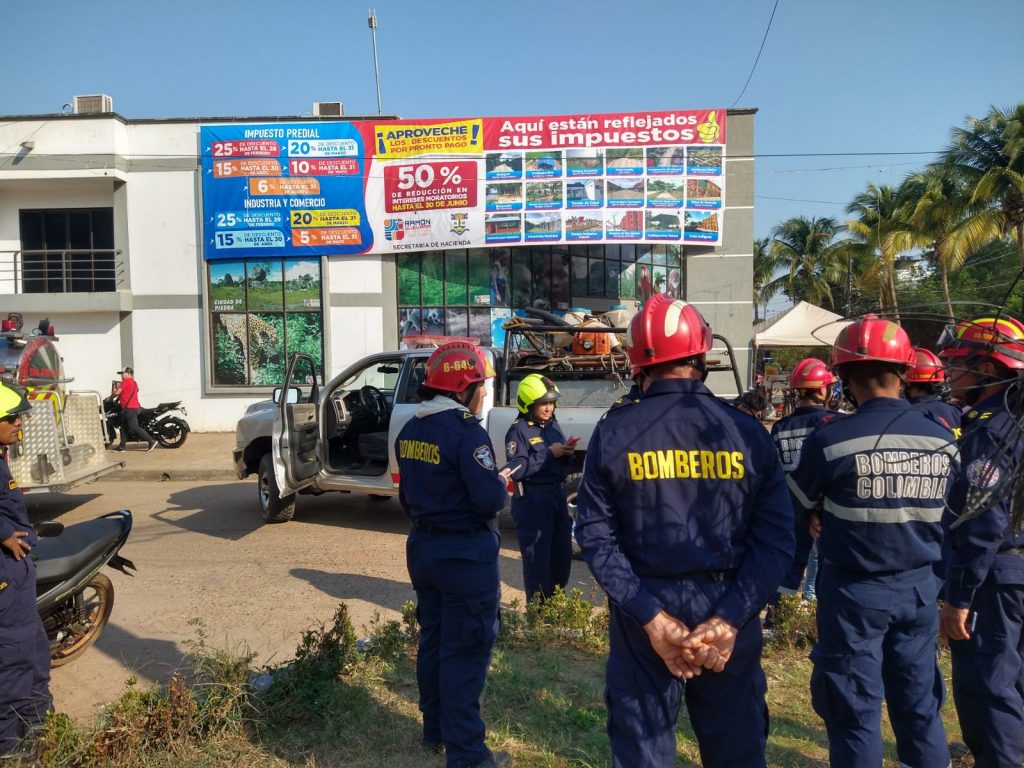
<point>341,436</point>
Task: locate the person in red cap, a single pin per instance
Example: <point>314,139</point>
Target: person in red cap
<point>686,524</point>
<point>127,394</point>
<point>451,489</point>
<point>881,477</point>
<point>924,382</point>
<point>812,382</point>
<point>983,614</point>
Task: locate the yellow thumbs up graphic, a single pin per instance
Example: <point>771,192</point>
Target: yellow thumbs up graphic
<point>709,131</point>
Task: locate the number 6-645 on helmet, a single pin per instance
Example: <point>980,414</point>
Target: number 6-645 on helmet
<point>452,367</point>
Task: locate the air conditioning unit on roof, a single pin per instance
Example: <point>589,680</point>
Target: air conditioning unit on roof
<point>95,104</point>
<point>328,109</point>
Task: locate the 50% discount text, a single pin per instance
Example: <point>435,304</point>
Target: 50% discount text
<point>430,186</point>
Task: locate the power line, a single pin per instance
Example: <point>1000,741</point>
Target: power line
<point>443,156</point>
<point>758,58</point>
<point>797,200</point>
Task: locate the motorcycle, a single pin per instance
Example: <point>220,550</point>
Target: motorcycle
<point>73,598</point>
<point>170,431</point>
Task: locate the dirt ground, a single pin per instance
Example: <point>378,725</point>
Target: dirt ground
<point>203,553</point>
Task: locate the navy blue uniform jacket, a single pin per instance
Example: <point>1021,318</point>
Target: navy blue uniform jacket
<point>882,475</point>
<point>13,512</point>
<point>678,484</point>
<point>446,468</point>
<point>944,413</point>
<point>789,433</point>
<point>991,447</point>
<point>526,445</point>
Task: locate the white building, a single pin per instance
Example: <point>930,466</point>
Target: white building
<point>100,230</point>
<point>126,194</point>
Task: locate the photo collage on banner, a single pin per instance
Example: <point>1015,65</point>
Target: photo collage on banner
<point>340,188</point>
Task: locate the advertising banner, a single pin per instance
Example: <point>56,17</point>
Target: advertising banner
<point>337,188</point>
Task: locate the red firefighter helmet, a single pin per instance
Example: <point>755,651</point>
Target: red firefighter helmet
<point>666,329</point>
<point>1000,338</point>
<point>926,369</point>
<point>872,338</point>
<point>452,367</point>
<point>811,373</point>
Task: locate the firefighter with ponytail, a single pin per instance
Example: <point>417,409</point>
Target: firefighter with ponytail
<point>538,455</point>
<point>451,489</point>
<point>24,650</point>
<point>881,476</point>
<point>983,614</point>
<point>685,522</point>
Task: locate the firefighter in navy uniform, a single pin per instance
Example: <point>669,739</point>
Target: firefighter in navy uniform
<point>812,381</point>
<point>881,476</point>
<point>985,574</point>
<point>924,379</point>
<point>537,458</point>
<point>24,650</point>
<point>451,489</point>
<point>685,521</point>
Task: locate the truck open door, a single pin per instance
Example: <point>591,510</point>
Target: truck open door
<point>295,441</point>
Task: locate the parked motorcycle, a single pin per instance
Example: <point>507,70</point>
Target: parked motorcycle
<point>170,431</point>
<point>73,598</point>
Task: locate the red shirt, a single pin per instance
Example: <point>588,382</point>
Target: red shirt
<point>129,397</point>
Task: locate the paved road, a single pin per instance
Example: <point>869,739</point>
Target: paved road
<point>203,553</point>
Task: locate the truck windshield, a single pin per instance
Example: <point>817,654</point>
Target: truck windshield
<point>594,393</point>
<point>382,374</point>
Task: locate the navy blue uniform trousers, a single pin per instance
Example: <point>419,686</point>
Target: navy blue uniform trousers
<point>457,590</point>
<point>727,709</point>
<point>24,654</point>
<point>544,530</point>
<point>988,677</point>
<point>878,626</point>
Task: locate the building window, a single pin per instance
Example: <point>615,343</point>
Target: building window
<point>471,292</point>
<point>68,251</point>
<point>262,311</point>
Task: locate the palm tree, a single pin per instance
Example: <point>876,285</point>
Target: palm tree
<point>878,215</point>
<point>767,282</point>
<point>934,205</point>
<point>808,248</point>
<point>987,157</point>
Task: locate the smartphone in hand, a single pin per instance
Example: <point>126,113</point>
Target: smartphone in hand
<point>572,440</point>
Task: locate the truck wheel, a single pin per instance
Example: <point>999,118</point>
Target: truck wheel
<point>273,509</point>
<point>572,487</point>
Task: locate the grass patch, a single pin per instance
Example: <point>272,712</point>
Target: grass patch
<point>340,702</point>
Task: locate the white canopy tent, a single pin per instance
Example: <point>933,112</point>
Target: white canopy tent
<point>803,325</point>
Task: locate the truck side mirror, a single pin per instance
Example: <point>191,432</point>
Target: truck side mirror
<point>294,393</point>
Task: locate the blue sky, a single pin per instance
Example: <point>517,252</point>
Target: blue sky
<point>836,76</point>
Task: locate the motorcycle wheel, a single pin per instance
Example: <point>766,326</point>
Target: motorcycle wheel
<point>81,621</point>
<point>171,432</point>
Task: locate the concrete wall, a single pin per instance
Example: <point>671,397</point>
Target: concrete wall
<point>719,281</point>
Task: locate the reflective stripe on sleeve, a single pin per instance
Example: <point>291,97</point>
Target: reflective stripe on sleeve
<point>798,492</point>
